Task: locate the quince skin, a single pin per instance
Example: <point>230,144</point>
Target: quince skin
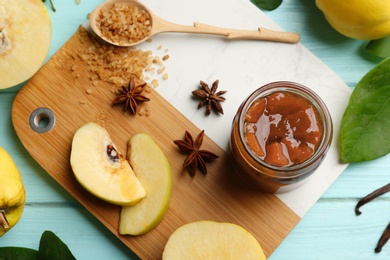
<point>12,193</point>
<point>358,19</point>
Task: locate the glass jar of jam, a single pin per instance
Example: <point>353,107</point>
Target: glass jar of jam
<point>280,135</point>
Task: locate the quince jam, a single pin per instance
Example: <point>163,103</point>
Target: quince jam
<point>283,129</point>
<point>280,135</point>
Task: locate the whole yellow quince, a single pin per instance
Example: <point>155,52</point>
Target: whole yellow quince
<point>358,19</point>
<point>12,193</point>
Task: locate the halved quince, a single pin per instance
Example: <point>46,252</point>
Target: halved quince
<point>101,169</point>
<point>212,240</point>
<point>25,36</point>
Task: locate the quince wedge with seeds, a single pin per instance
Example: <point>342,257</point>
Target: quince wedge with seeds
<point>101,169</point>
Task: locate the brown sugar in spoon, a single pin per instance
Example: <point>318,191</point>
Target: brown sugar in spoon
<point>113,24</point>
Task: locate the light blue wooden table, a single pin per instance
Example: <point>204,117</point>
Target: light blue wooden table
<point>330,230</point>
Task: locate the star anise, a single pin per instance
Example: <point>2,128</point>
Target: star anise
<point>210,97</point>
<point>130,95</point>
<point>196,158</point>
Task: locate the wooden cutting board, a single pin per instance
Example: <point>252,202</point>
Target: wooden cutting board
<point>216,196</point>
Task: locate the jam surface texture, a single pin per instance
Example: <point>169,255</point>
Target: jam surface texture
<point>283,128</point>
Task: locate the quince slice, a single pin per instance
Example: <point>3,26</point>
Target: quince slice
<point>101,169</point>
<point>154,172</point>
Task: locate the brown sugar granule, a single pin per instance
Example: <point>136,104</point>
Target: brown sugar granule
<point>161,70</point>
<point>155,83</point>
<point>115,65</point>
<point>165,57</point>
<point>111,63</point>
<point>144,111</point>
<point>147,112</point>
<point>124,23</point>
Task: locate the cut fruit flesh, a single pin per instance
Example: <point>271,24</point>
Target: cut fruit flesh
<point>154,172</point>
<point>212,240</point>
<point>25,36</point>
<point>101,169</point>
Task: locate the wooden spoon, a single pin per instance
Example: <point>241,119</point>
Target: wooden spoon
<point>158,25</point>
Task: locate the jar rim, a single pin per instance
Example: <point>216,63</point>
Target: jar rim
<point>286,172</point>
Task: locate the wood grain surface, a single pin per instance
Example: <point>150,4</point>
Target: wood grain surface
<point>216,196</point>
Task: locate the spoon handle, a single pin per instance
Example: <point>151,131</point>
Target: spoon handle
<point>231,34</point>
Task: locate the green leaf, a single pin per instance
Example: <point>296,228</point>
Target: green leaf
<point>52,248</point>
<point>365,126</point>
<point>380,48</point>
<point>17,253</point>
<point>268,5</point>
